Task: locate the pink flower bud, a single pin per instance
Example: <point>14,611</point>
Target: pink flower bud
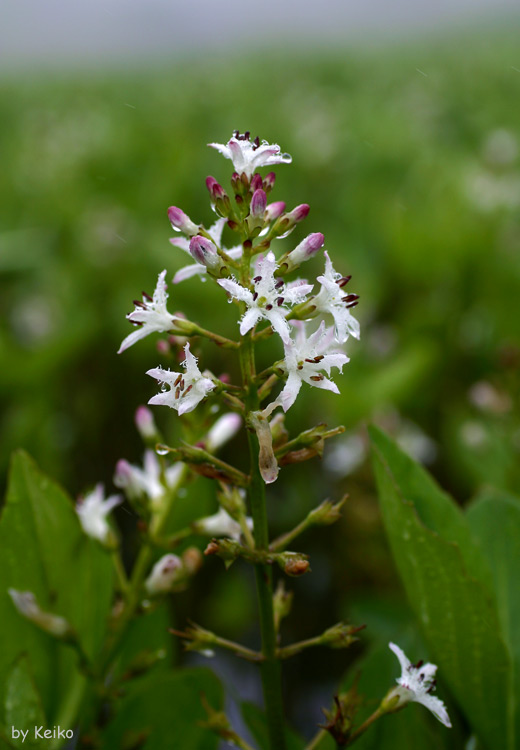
<point>269,181</point>
<point>145,423</point>
<point>256,182</point>
<point>305,250</point>
<point>258,203</point>
<point>299,213</point>
<point>274,210</point>
<point>215,188</point>
<point>204,251</point>
<point>181,222</point>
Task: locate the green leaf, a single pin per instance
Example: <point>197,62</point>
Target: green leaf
<point>494,519</point>
<point>165,710</point>
<point>432,547</point>
<point>23,705</point>
<point>257,724</point>
<point>43,550</point>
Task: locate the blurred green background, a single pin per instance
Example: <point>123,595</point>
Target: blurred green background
<point>409,158</point>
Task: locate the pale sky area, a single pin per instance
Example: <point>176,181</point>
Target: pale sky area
<point>102,31</point>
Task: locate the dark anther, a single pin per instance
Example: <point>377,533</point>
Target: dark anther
<point>344,281</point>
<point>268,307</point>
<point>236,133</point>
<point>317,378</point>
<point>256,143</point>
<point>177,393</point>
<point>188,389</point>
<point>279,284</point>
<point>147,296</point>
<point>353,304</point>
<point>257,279</point>
<point>255,296</point>
<point>279,301</point>
<point>350,297</point>
<point>179,378</point>
<point>137,303</point>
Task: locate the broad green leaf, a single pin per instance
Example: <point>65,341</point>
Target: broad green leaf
<point>165,711</point>
<point>255,719</point>
<point>494,519</point>
<point>432,548</point>
<point>43,550</point>
<point>23,705</point>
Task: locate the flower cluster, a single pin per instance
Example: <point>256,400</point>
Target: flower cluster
<point>254,276</point>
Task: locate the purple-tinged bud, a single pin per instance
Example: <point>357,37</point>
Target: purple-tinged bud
<point>215,188</point>
<point>306,249</point>
<point>256,182</point>
<point>274,210</point>
<point>286,223</point>
<point>299,213</point>
<point>181,222</point>
<point>204,252</point>
<point>145,423</point>
<point>269,181</point>
<point>258,203</point>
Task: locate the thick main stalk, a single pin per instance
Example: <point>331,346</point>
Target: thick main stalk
<point>270,667</point>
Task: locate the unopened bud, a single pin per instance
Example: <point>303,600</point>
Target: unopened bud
<point>258,204</point>
<point>274,210</point>
<point>165,573</point>
<point>181,222</point>
<point>269,181</point>
<point>145,423</point>
<point>340,635</point>
<point>26,604</point>
<point>222,431</point>
<point>256,182</point>
<point>204,252</point>
<point>305,250</point>
<point>326,513</point>
<point>288,221</point>
<point>215,188</point>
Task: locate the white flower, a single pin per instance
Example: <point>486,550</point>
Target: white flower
<point>26,604</point>
<point>150,315</point>
<point>187,389</point>
<point>332,299</point>
<point>220,524</point>
<point>416,684</point>
<point>93,510</point>
<point>196,269</point>
<point>247,155</point>
<point>164,574</point>
<point>269,298</point>
<point>147,481</point>
<point>307,358</point>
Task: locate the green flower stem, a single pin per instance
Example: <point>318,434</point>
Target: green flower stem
<point>316,740</point>
<point>122,579</point>
<point>363,727</point>
<point>281,542</point>
<point>287,651</point>
<point>270,667</point>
